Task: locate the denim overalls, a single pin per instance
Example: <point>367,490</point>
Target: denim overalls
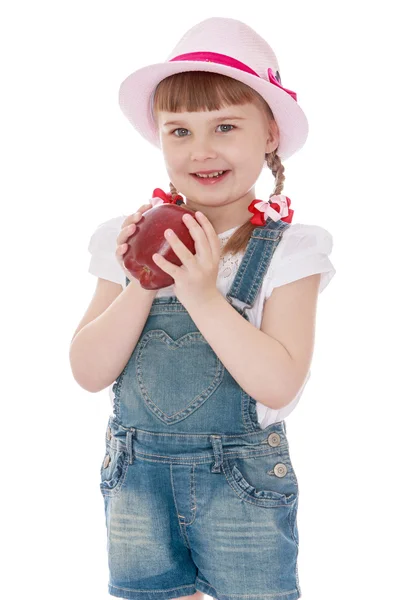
<point>197,496</point>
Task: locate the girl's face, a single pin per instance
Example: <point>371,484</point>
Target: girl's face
<point>233,139</point>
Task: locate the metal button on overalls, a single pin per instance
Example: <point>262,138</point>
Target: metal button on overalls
<point>280,470</point>
<point>274,439</point>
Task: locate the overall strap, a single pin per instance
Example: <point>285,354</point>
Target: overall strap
<point>255,263</point>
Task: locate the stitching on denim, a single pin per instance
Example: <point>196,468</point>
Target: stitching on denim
<point>261,502</point>
<point>238,436</point>
<point>246,401</point>
<point>161,335</point>
<point>117,384</point>
<point>114,492</point>
<point>252,247</point>
<point>201,460</point>
<point>292,519</point>
<point>243,267</point>
<point>244,408</point>
<point>181,587</point>
<point>274,595</point>
<point>273,233</point>
<point>267,253</point>
<point>181,525</point>
<point>253,449</point>
<point>160,309</point>
<point>193,506</point>
<point>262,267</point>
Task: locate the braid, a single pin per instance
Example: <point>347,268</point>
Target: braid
<point>277,168</point>
<point>172,189</point>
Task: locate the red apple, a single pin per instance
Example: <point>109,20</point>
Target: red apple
<point>149,239</point>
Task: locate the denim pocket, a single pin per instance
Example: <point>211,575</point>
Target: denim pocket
<point>262,480</point>
<point>189,362</point>
<point>113,470</point>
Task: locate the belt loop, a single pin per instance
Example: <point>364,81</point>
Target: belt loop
<point>218,453</point>
<point>129,444</point>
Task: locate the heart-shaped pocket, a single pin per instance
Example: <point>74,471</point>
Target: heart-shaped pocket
<point>176,376</point>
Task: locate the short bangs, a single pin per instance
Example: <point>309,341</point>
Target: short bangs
<point>193,91</point>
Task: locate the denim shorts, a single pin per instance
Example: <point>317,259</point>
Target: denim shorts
<point>188,512</point>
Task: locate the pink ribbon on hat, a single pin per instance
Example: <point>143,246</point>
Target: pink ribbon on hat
<point>272,79</point>
<point>276,208</point>
<point>228,61</point>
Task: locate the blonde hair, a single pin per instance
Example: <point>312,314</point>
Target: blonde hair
<point>201,90</point>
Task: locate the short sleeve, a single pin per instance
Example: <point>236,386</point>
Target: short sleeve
<point>102,246</point>
<point>304,250</point>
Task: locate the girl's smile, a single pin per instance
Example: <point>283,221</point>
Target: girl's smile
<point>209,179</point>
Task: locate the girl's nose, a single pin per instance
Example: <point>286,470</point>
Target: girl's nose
<point>202,150</point>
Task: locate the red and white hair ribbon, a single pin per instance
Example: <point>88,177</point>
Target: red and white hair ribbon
<point>161,197</point>
<point>276,208</point>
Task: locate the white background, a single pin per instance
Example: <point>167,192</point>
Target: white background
<point>70,160</point>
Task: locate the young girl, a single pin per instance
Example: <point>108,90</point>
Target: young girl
<point>199,488</point>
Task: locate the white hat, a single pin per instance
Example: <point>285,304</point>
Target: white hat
<point>225,46</point>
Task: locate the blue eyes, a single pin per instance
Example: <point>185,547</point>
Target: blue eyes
<point>173,132</point>
<point>183,129</point>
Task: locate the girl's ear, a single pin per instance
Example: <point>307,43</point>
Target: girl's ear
<point>273,137</point>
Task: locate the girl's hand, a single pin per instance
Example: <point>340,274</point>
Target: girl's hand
<point>127,229</point>
<point>195,280</point>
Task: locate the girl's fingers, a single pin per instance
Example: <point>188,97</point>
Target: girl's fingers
<point>128,221</point>
<point>181,251</point>
<point>165,265</point>
<point>211,235</point>
<point>128,227</point>
<point>136,216</point>
<point>125,233</point>
<point>202,232</point>
<point>122,249</point>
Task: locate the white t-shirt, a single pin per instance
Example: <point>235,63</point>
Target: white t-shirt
<point>302,251</point>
